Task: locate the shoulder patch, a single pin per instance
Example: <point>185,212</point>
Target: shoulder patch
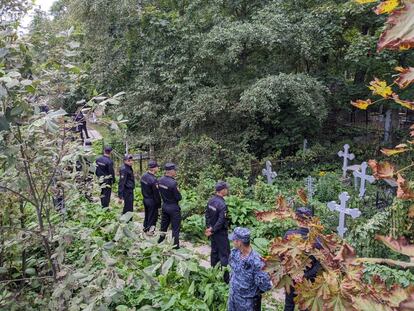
<point>163,186</point>
<point>212,208</point>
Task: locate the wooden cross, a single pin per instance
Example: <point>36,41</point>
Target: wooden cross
<point>270,175</point>
<point>347,156</point>
<point>343,210</point>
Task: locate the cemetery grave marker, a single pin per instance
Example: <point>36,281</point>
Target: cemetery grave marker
<point>347,156</point>
<point>310,187</point>
<point>270,175</point>
<point>363,178</point>
<point>343,210</point>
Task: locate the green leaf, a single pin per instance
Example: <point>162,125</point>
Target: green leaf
<point>30,271</point>
<point>167,265</point>
<point>126,217</point>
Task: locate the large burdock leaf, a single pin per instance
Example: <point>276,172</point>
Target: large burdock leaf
<point>404,192</point>
<point>399,245</point>
<point>384,170</point>
<point>346,254</point>
<point>405,77</point>
<point>362,104</point>
<point>302,196</point>
<point>379,87</point>
<point>399,34</point>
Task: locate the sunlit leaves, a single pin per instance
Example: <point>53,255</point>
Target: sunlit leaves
<point>387,6</point>
<point>405,103</point>
<point>281,211</point>
<point>399,34</point>
<point>398,149</point>
<point>362,104</point>
<point>380,88</point>
<point>405,76</point>
<point>365,1</point>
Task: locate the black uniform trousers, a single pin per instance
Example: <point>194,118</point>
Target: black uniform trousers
<point>150,214</point>
<point>128,197</point>
<point>220,251</point>
<point>106,190</point>
<point>220,248</point>
<point>171,213</point>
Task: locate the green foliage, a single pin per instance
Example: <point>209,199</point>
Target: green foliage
<point>193,228</point>
<point>389,275</point>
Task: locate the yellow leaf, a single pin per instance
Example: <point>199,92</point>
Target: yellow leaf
<point>387,6</point>
<point>380,88</point>
<point>365,1</point>
<point>390,152</point>
<point>362,104</point>
<point>405,103</point>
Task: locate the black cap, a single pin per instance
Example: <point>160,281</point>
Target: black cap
<point>220,185</point>
<point>152,164</point>
<point>107,149</point>
<point>170,166</point>
<point>304,212</point>
<point>128,157</point>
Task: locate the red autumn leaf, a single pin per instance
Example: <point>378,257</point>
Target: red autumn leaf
<point>384,170</point>
<point>302,196</point>
<point>346,254</point>
<point>404,192</point>
<point>362,104</point>
<point>399,245</point>
<point>405,77</point>
<point>282,211</point>
<point>399,33</point>
<point>408,304</point>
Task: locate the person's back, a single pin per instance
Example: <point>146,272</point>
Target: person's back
<point>106,174</point>
<point>169,191</point>
<point>151,197</point>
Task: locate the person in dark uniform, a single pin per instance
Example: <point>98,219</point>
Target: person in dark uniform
<point>310,273</point>
<point>84,172</point>
<point>81,124</point>
<point>171,211</point>
<point>151,197</point>
<point>105,172</point>
<point>126,184</point>
<point>217,227</point>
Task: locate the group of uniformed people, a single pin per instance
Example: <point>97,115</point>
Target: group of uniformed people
<point>247,278</point>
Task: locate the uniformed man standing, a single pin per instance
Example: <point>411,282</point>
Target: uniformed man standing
<point>303,215</point>
<point>105,172</point>
<point>151,197</point>
<point>247,279</point>
<point>217,227</point>
<point>126,184</point>
<point>171,211</point>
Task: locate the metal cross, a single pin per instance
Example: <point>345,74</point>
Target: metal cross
<point>343,210</point>
<point>362,175</point>
<point>270,175</point>
<point>347,156</point>
<point>305,145</point>
<point>309,187</point>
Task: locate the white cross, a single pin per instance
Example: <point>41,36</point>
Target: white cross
<point>309,187</point>
<point>363,178</point>
<point>269,173</point>
<point>343,210</point>
<point>346,155</point>
<point>305,145</point>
